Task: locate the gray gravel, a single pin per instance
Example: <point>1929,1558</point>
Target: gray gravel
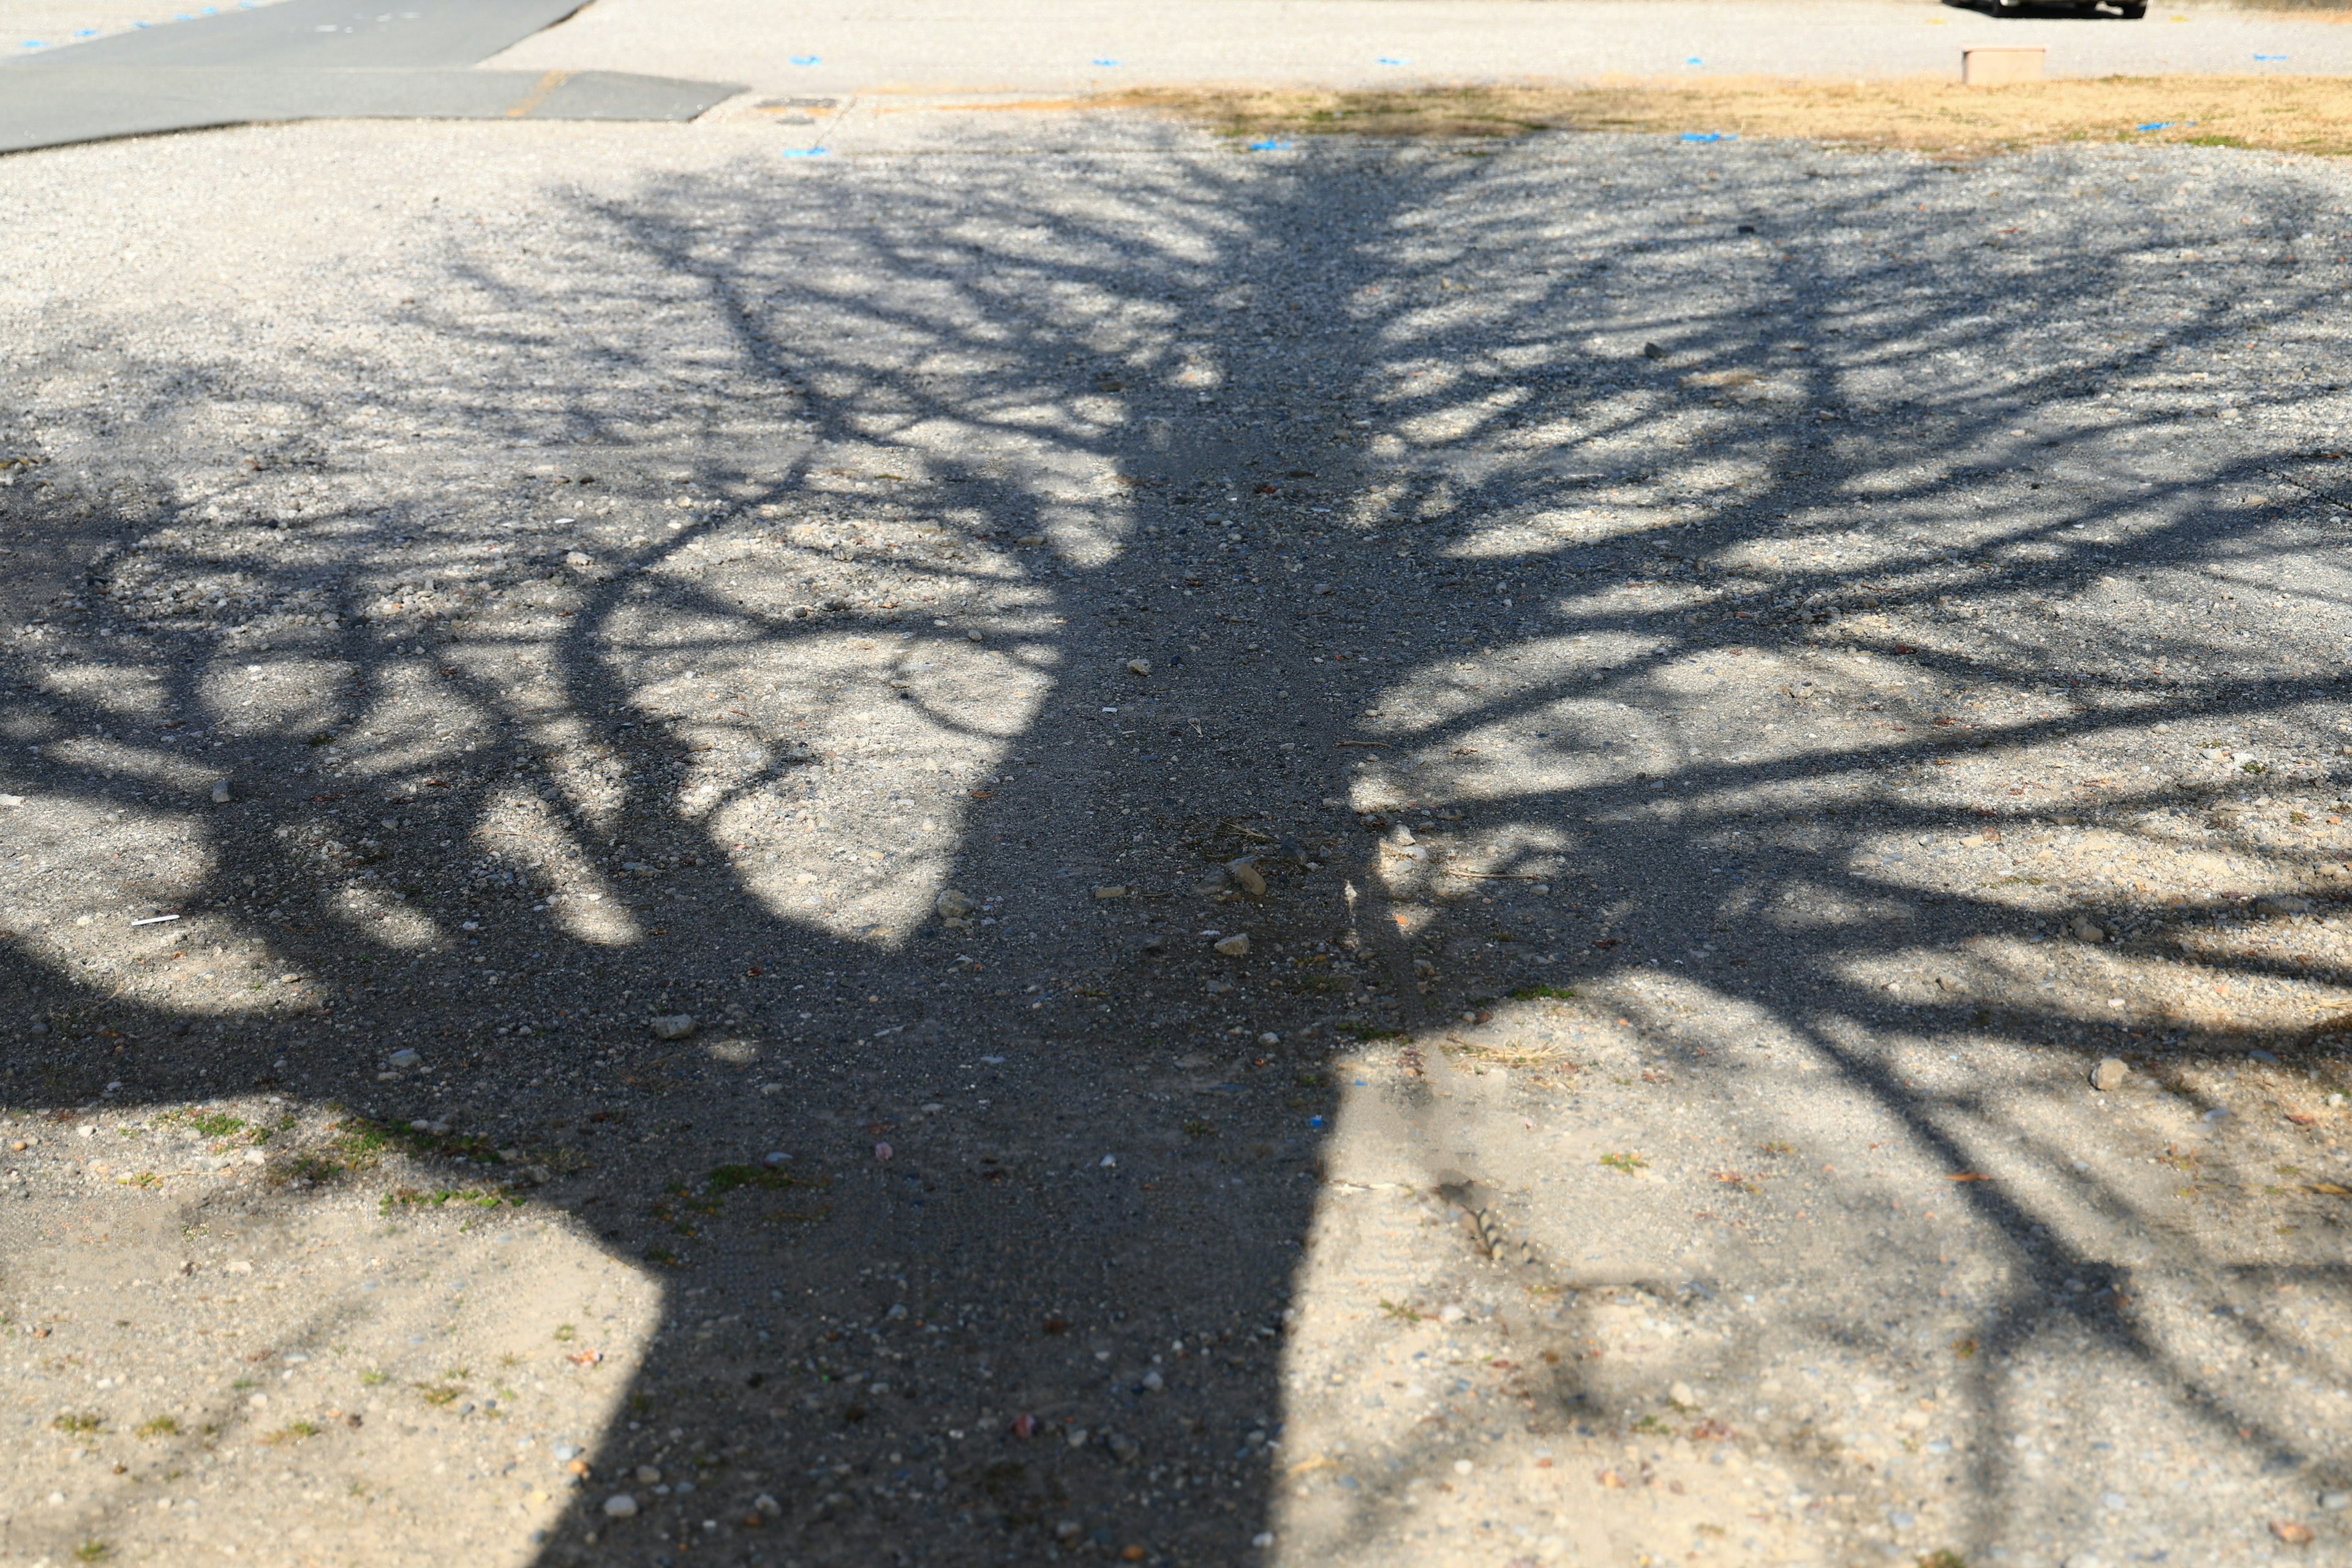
<point>1686,636</point>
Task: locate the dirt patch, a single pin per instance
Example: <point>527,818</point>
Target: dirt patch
<point>2295,114</point>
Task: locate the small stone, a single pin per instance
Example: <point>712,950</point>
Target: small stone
<point>1214,881</point>
<point>777,1157</point>
<point>2285,904</point>
<point>1124,1448</point>
<point>220,791</point>
<point>1139,667</point>
<point>1322,589</point>
<point>1462,1467</point>
<point>1679,1395</point>
<point>403,1060</point>
<point>2292,1532</point>
<point>1031,539</point>
<point>2335,1503</point>
<point>975,637</point>
<point>576,559</point>
<point>1269,1038</point>
<point>671,1025</point>
<point>1451,1314</point>
<point>768,1507</point>
<point>1152,1381</point>
<point>2109,1075</point>
<point>1234,946</point>
<point>11,802</point>
<point>1261,1540</point>
<point>648,1476</point>
<point>1078,1436</point>
<point>1111,892</point>
<point>953,905</point>
<point>1246,877</point>
<point>2084,929</point>
<point>620,1505</point>
<point>1068,1530</point>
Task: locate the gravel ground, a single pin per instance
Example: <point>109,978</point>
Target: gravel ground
<point>1718,682</point>
<point>899,46</point>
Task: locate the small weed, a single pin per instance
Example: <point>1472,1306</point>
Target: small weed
<point>242,1383</point>
<point>1650,1426</point>
<point>293,1432</point>
<point>1778,1148</point>
<point>1627,1163</point>
<point>1943,1557</point>
<point>725,1179</point>
<point>375,1379</point>
<point>439,1394</point>
<point>565,1334</point>
<point>477,1198</point>
<point>1196,1128</point>
<point>92,1551</point>
<point>1964,1349</point>
<point>76,1425</point>
<point>158,1426</point>
<point>1538,992</point>
<point>215,1124</point>
<point>661,1255</point>
<point>1402,1313</point>
<point>142,1179</point>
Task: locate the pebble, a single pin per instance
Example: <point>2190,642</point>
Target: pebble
<point>1679,1395</point>
<point>1139,667</point>
<point>620,1505</point>
<point>2109,1075</point>
<point>1246,877</point>
<point>672,1026</point>
<point>2086,929</point>
<point>777,1157</point>
<point>1031,539</point>
<point>648,1476</point>
<point>951,905</point>
<point>403,1060</point>
<point>1236,946</point>
<point>220,791</point>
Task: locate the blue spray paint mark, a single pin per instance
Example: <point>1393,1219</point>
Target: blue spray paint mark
<point>1709,136</point>
<point>804,60</point>
<point>801,153</point>
<point>1394,61</point>
<point>1106,62</point>
<point>1268,146</point>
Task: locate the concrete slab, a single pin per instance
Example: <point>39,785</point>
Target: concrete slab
<point>322,35</point>
<point>85,105</point>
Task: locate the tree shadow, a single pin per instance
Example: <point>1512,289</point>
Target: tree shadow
<point>1428,503</point>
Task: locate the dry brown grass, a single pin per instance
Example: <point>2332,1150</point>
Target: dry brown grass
<point>2291,114</point>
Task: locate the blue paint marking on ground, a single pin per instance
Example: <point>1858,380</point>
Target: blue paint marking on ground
<point>1394,61</point>
<point>805,59</point>
<point>1107,62</point>
<point>1268,146</point>
<point>1709,136</point>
